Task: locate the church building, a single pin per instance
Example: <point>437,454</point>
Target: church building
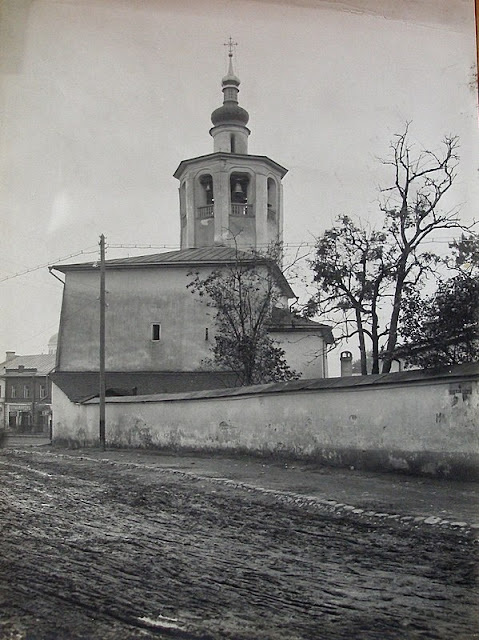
<point>158,333</point>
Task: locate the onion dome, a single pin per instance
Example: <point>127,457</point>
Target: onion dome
<point>230,112</point>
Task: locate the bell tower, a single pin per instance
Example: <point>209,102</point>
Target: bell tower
<point>230,197</point>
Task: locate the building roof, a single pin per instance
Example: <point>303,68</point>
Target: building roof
<point>205,256</point>
<point>79,386</point>
<point>283,320</point>
<point>188,257</point>
<point>43,363</point>
<point>415,376</point>
<point>227,156</point>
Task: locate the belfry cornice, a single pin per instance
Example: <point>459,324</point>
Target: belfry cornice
<point>247,159</point>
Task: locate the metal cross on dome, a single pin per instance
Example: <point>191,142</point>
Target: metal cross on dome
<point>230,44</point>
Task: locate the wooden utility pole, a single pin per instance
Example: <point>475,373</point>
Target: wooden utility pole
<point>102,343</point>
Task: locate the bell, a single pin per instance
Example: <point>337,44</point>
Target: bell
<point>238,189</point>
<point>208,186</point>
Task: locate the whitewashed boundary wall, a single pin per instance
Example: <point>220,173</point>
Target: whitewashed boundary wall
<point>410,422</point>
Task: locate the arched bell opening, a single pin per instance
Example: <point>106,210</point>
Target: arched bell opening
<point>206,197</point>
<point>241,204</point>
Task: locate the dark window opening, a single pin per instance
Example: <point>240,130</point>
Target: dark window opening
<point>156,331</point>
<point>233,143</point>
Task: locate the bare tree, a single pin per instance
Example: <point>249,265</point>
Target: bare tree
<point>369,273</point>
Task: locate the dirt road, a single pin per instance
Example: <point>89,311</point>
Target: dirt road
<point>102,549</point>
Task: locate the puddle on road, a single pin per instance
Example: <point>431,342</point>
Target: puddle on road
<point>160,622</point>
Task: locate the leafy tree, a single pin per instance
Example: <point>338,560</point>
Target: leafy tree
<point>465,254</point>
<point>363,275</point>
<point>243,295</point>
<point>442,329</point>
<point>351,268</point>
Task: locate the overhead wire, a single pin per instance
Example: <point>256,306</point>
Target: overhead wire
<point>48,264</point>
<point>91,250</point>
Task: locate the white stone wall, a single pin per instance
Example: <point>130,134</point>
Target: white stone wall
<point>136,298</point>
<point>422,427</point>
<point>305,352</point>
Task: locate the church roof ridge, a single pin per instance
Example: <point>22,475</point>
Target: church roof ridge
<point>180,256</point>
<point>203,256</point>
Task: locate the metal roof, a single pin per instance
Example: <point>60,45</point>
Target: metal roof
<point>204,256</point>
<point>415,376</point>
<point>43,363</point>
<point>284,320</point>
<point>80,386</point>
<point>227,156</point>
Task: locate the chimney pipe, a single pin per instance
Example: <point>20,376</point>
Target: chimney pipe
<point>346,359</point>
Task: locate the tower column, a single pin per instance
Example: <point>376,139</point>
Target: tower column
<point>261,211</point>
<point>190,213</point>
<point>280,214</point>
<point>222,206</point>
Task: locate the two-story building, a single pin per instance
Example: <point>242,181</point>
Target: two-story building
<point>26,393</point>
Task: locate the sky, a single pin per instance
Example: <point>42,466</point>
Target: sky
<point>100,100</point>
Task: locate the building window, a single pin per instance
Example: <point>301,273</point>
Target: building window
<point>13,392</point>
<point>156,332</point>
<point>43,391</point>
<point>26,391</point>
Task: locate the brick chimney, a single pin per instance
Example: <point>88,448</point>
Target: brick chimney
<point>9,355</point>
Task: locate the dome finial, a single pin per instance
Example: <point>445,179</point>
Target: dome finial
<point>231,74</point>
<point>230,44</point>
<point>230,120</point>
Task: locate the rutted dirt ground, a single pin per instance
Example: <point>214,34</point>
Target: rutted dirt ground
<point>99,549</point>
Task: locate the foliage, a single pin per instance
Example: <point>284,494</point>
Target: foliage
<point>442,329</point>
<point>364,274</point>
<point>351,269</point>
<point>465,254</point>
<point>243,295</point>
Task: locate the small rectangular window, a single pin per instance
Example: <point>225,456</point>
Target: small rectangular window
<point>26,391</point>
<point>43,391</point>
<point>156,332</point>
<point>13,392</point>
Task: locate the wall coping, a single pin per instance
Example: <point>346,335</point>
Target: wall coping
<point>467,372</point>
